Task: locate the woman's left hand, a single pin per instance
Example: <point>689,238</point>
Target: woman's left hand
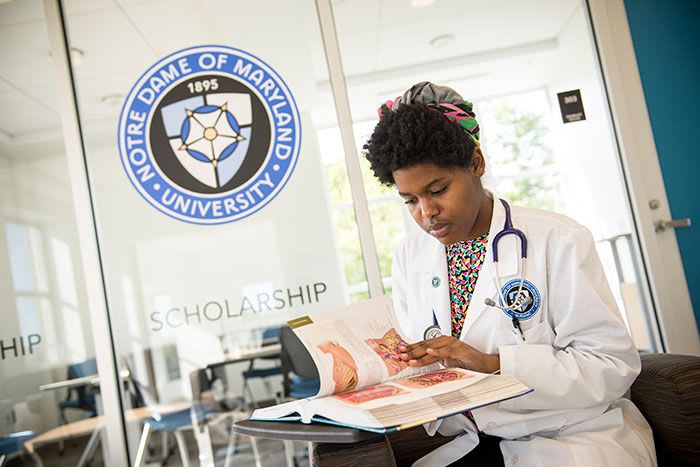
<point>451,352</point>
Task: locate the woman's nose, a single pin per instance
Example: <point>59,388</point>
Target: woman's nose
<point>428,210</point>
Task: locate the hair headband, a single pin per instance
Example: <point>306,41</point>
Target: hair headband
<point>441,99</point>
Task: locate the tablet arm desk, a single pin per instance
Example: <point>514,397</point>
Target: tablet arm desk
<point>667,392</point>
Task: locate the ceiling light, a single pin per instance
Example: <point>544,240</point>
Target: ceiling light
<point>76,56</point>
<point>421,3</point>
<point>112,100</point>
<point>441,41</point>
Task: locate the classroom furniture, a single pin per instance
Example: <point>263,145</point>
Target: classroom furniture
<point>299,372</point>
<point>667,392</point>
<point>11,445</point>
<point>269,336</point>
<point>79,397</point>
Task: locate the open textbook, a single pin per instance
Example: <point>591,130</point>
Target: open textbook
<point>365,385</point>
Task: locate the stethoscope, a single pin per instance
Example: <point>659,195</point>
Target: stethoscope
<point>521,300</point>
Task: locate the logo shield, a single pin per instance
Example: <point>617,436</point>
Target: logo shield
<point>210,134</point>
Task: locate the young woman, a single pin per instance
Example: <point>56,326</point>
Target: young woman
<point>511,289</point>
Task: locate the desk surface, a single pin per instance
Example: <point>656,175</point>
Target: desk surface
<point>88,425</point>
<point>272,350</point>
<point>293,431</point>
<point>90,380</point>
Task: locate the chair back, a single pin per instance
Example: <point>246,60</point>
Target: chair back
<point>141,395</point>
<point>299,372</point>
<point>270,335</point>
<point>295,357</point>
<point>667,392</point>
<point>80,369</point>
<point>86,399</point>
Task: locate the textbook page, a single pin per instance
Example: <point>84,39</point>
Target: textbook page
<point>355,346</point>
<point>403,402</point>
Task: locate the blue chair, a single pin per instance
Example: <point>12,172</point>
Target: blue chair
<point>300,376</point>
<point>80,398</point>
<point>174,422</point>
<point>12,445</point>
<point>299,372</point>
<point>269,336</point>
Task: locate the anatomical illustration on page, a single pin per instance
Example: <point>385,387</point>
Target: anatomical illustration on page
<point>344,366</point>
<point>370,393</point>
<point>433,378</point>
<point>387,347</point>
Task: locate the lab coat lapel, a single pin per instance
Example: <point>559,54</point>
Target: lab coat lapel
<point>440,288</point>
<point>507,266</point>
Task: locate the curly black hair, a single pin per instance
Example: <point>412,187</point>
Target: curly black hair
<point>414,134</point>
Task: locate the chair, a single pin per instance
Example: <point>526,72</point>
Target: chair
<point>79,398</point>
<point>299,372</point>
<point>204,392</point>
<point>11,445</point>
<point>268,336</point>
<point>300,377</point>
<point>205,409</point>
<point>174,422</point>
<point>667,392</point>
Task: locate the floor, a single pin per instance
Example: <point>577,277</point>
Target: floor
<point>272,454</point>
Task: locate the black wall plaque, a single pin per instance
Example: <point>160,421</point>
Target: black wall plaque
<point>571,106</point>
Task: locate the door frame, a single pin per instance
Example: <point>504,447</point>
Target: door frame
<point>640,164</point>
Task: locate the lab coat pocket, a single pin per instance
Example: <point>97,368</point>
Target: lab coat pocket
<point>507,336</point>
<point>539,333</point>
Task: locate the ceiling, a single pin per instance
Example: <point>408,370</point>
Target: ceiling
<point>385,46</point>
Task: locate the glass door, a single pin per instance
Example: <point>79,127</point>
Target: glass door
<point>50,400</point>
<point>524,65</point>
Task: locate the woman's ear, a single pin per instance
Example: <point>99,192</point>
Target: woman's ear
<point>478,164</point>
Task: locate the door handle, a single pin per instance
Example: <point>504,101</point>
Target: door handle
<point>660,226</point>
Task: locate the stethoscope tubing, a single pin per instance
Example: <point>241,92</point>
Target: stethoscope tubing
<point>519,302</point>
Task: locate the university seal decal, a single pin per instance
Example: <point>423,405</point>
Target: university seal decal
<point>209,135</point>
<point>528,291</point>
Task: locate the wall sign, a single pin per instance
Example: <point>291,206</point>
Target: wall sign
<point>209,134</point>
<point>18,346</point>
<point>571,106</point>
<point>215,310</point>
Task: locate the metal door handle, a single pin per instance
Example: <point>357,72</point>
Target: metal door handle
<point>660,226</point>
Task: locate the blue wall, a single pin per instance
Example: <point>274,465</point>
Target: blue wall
<point>666,37</point>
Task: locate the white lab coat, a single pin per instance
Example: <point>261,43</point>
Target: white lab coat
<point>577,354</point>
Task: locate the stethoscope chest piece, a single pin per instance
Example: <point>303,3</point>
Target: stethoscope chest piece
<point>432,332</point>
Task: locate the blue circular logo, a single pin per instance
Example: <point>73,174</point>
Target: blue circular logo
<point>209,135</point>
<point>529,295</point>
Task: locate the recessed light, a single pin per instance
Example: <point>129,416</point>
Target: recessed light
<point>438,42</point>
<point>112,100</point>
<point>76,56</point>
<point>421,3</point>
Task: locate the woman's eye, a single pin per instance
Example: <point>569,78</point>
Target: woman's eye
<point>438,191</point>
<point>409,201</point>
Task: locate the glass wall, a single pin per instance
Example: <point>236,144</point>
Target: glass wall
<point>238,123</point>
<point>49,393</point>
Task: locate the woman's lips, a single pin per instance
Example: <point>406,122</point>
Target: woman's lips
<point>438,230</point>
